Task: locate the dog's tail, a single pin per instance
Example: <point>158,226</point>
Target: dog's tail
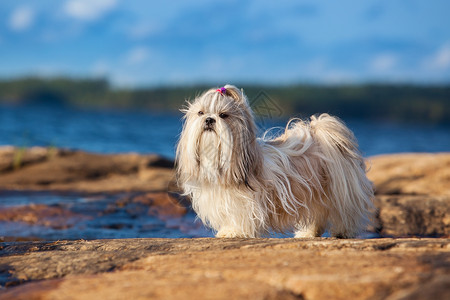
<point>348,188</point>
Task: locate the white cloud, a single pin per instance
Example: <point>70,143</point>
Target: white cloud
<point>88,10</point>
<point>137,55</point>
<point>21,18</point>
<point>383,62</point>
<point>440,60</point>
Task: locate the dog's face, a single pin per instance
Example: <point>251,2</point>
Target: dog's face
<point>218,133</point>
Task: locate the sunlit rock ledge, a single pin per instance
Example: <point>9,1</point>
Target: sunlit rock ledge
<point>54,169</point>
<point>321,268</point>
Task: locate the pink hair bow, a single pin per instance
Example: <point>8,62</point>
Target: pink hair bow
<point>222,90</point>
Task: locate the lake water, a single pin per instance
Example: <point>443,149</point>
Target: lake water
<point>146,132</point>
<point>149,132</point>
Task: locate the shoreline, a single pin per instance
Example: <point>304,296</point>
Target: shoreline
<point>412,190</point>
<point>412,198</point>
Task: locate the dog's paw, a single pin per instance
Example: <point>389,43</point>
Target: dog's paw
<point>305,233</point>
<point>228,232</point>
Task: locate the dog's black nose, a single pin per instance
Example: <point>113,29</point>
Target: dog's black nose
<point>209,121</point>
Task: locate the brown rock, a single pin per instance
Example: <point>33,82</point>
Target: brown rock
<point>412,193</point>
<point>411,174</point>
<point>12,158</point>
<point>160,204</point>
<point>413,215</point>
<point>163,205</point>
<point>63,170</point>
<point>228,269</point>
<point>42,215</point>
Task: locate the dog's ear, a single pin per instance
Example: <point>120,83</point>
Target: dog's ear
<point>186,107</point>
<point>235,93</point>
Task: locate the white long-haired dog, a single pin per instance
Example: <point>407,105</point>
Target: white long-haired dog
<point>311,176</point>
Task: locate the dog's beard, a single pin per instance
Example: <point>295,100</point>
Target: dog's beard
<point>227,154</point>
<point>207,154</point>
<point>215,152</point>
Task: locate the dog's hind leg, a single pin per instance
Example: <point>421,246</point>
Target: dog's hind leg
<point>349,228</point>
<point>313,228</point>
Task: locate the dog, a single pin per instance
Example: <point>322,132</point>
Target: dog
<point>309,179</point>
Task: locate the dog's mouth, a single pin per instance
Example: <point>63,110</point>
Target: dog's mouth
<point>208,128</point>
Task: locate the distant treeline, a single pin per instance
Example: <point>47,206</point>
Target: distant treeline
<point>410,103</point>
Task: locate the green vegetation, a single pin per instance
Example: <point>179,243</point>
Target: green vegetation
<point>410,103</point>
<point>18,158</point>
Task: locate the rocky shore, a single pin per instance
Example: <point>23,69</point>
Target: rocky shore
<point>39,168</point>
<point>229,269</point>
<point>411,261</point>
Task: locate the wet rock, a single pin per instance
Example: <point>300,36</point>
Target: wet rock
<point>41,215</point>
<point>19,239</point>
<point>159,204</point>
<point>227,269</point>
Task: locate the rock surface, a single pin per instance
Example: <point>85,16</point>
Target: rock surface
<point>421,174</point>
<point>412,193</point>
<point>40,168</point>
<point>404,215</point>
<point>41,215</point>
<point>227,269</point>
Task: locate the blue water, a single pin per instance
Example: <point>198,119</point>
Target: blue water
<point>148,132</point>
<point>156,132</point>
<point>96,131</point>
<point>94,217</point>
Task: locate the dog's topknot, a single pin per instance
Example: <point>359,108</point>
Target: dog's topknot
<point>235,93</point>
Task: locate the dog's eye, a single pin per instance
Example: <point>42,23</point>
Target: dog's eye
<point>200,113</point>
<point>223,115</point>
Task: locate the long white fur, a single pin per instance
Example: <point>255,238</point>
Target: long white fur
<point>309,178</point>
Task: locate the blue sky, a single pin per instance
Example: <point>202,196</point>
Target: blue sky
<point>137,43</point>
